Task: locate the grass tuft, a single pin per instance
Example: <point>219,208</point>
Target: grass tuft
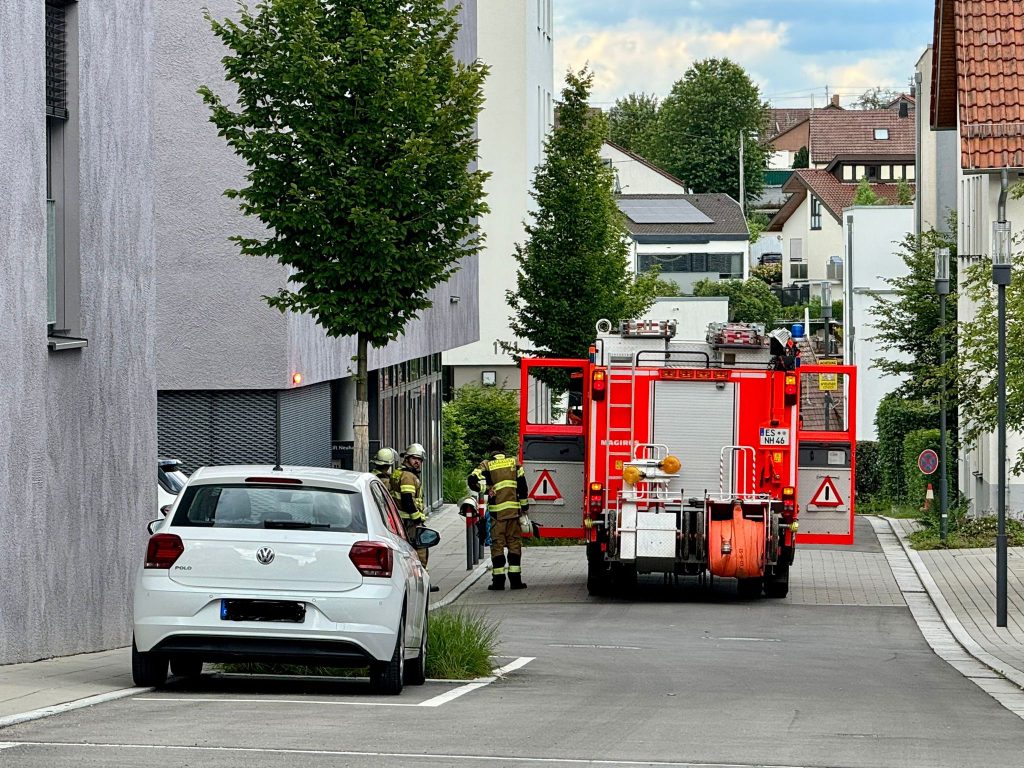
<point>461,643</point>
<point>970,534</point>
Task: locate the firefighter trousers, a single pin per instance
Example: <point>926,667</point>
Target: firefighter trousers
<point>506,534</point>
<point>410,533</point>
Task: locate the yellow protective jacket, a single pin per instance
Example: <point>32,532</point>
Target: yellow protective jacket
<point>504,481</point>
<point>407,491</point>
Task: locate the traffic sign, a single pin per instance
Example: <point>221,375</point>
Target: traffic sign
<point>928,461</point>
<point>827,495</point>
<point>545,489</point>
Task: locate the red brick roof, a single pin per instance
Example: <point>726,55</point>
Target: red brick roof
<point>981,44</point>
<point>834,194</point>
<point>852,132</point>
<point>781,120</point>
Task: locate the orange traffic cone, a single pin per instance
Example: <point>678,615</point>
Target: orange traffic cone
<point>929,497</point>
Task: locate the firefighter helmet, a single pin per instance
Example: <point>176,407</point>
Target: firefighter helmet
<point>385,457</point>
<point>415,451</point>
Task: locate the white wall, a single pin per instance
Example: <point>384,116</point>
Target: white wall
<point>818,244</point>
<point>686,279</point>
<point>872,235</point>
<point>636,178</point>
<point>691,313</point>
<point>515,40</point>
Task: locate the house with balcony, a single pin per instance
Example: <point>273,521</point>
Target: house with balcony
<point>973,99</point>
<point>845,147</point>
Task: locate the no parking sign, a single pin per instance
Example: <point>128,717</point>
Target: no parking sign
<point>928,461</point>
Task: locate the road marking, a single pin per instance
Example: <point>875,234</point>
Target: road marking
<point>402,755</point>
<point>600,647</point>
<point>56,709</point>
<point>435,701</point>
<point>753,639</point>
<point>8,744</point>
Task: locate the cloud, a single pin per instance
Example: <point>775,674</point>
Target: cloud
<point>638,55</point>
<point>645,48</point>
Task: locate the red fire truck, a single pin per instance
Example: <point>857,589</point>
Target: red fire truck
<point>690,458</point>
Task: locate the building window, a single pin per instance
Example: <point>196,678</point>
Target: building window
<point>815,213</point>
<point>886,172</point>
<point>62,224</point>
<point>726,266</point>
<point>797,270</point>
<point>848,173</point>
<point>881,134</point>
<point>797,266</point>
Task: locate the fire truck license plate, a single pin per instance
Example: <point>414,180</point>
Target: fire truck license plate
<point>771,436</point>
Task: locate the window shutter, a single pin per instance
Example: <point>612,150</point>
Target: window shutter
<point>56,60</point>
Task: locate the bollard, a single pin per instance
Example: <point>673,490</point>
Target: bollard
<point>468,509</point>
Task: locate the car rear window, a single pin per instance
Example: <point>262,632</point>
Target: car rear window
<point>259,506</point>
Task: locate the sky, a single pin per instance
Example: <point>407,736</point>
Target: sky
<point>792,49</point>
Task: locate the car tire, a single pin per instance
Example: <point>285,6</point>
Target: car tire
<point>416,670</point>
<point>187,667</point>
<point>386,676</point>
<point>149,669</point>
<point>777,585</point>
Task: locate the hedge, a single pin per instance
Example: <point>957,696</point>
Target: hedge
<point>869,470</point>
<point>895,419</point>
<point>917,482</point>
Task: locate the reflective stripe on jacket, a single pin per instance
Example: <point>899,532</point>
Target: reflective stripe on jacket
<point>409,492</point>
<point>504,481</point>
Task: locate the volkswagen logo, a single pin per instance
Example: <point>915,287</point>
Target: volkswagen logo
<point>265,555</point>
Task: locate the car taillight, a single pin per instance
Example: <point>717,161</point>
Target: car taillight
<point>371,558</point>
<point>163,550</point>
<point>598,385</point>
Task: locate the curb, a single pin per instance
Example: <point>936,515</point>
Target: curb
<point>461,587</point>
<point>959,632</point>
<point>56,709</point>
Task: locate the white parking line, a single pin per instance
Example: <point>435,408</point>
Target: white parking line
<point>8,744</point>
<point>402,755</point>
<point>435,701</point>
<point>599,647</point>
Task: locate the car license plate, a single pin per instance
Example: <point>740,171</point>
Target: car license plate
<point>262,610</point>
<point>774,436</point>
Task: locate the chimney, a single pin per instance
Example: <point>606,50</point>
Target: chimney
<point>835,100</point>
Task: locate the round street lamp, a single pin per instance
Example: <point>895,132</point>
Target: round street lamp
<point>942,288</point>
<point>1001,260</point>
<point>826,314</point>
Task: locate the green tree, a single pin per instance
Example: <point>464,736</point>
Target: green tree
<point>978,354</point>
<point>631,122</point>
<point>574,267</point>
<point>875,98</point>
<point>482,413</point>
<point>802,158</point>
<point>357,125</point>
<point>904,193</point>
<point>757,222</point>
<point>699,127</point>
<point>908,326</point>
<point>750,301</point>
<point>865,194</point>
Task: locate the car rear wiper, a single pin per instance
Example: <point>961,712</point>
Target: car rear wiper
<point>293,524</point>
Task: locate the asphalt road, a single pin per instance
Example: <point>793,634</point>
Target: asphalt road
<point>675,677</point>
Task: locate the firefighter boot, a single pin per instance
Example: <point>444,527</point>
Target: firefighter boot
<point>515,572</point>
<point>498,570</point>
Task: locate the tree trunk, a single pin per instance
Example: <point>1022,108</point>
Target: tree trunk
<point>361,413</point>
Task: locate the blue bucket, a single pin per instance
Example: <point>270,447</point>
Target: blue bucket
<point>797,330</point>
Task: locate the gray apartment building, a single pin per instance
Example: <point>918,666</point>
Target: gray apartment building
<point>133,328</point>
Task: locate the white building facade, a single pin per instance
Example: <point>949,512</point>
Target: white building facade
<point>514,38</point>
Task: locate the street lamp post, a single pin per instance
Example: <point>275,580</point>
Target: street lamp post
<point>1001,259</point>
<point>942,288</point>
<point>826,314</point>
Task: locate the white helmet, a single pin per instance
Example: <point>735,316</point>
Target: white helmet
<point>385,457</point>
<point>415,450</point>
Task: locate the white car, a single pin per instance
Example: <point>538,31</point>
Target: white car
<point>299,565</point>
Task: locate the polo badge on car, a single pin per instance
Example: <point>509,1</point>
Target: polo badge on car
<point>265,555</point>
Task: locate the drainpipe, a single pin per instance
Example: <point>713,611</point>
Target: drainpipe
<point>1004,187</point>
<point>917,155</point>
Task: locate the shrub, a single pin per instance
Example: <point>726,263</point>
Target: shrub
<point>483,413</point>
<point>453,483</point>
<point>896,418</point>
<point>453,440</point>
<point>917,482</point>
<point>460,644</point>
<point>869,471</point>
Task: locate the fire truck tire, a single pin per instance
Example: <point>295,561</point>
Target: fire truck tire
<point>776,585</point>
<point>599,582</point>
<point>749,589</point>
<point>623,579</point>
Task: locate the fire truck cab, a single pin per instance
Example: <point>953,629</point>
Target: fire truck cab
<point>694,458</point>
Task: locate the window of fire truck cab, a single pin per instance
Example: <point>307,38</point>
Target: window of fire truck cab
<point>555,396</point>
<point>824,402</point>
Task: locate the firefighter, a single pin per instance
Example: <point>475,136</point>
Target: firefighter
<point>384,465</point>
<point>503,479</point>
<point>407,489</point>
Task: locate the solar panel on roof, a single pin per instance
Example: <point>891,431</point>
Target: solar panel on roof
<point>662,211</point>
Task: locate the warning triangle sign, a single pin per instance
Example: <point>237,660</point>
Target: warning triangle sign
<point>545,489</point>
<point>827,495</point>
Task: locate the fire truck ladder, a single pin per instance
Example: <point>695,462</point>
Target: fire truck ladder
<point>621,389</point>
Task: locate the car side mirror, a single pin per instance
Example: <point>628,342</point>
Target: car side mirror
<point>165,510</point>
<point>426,538</point>
<point>153,525</point>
